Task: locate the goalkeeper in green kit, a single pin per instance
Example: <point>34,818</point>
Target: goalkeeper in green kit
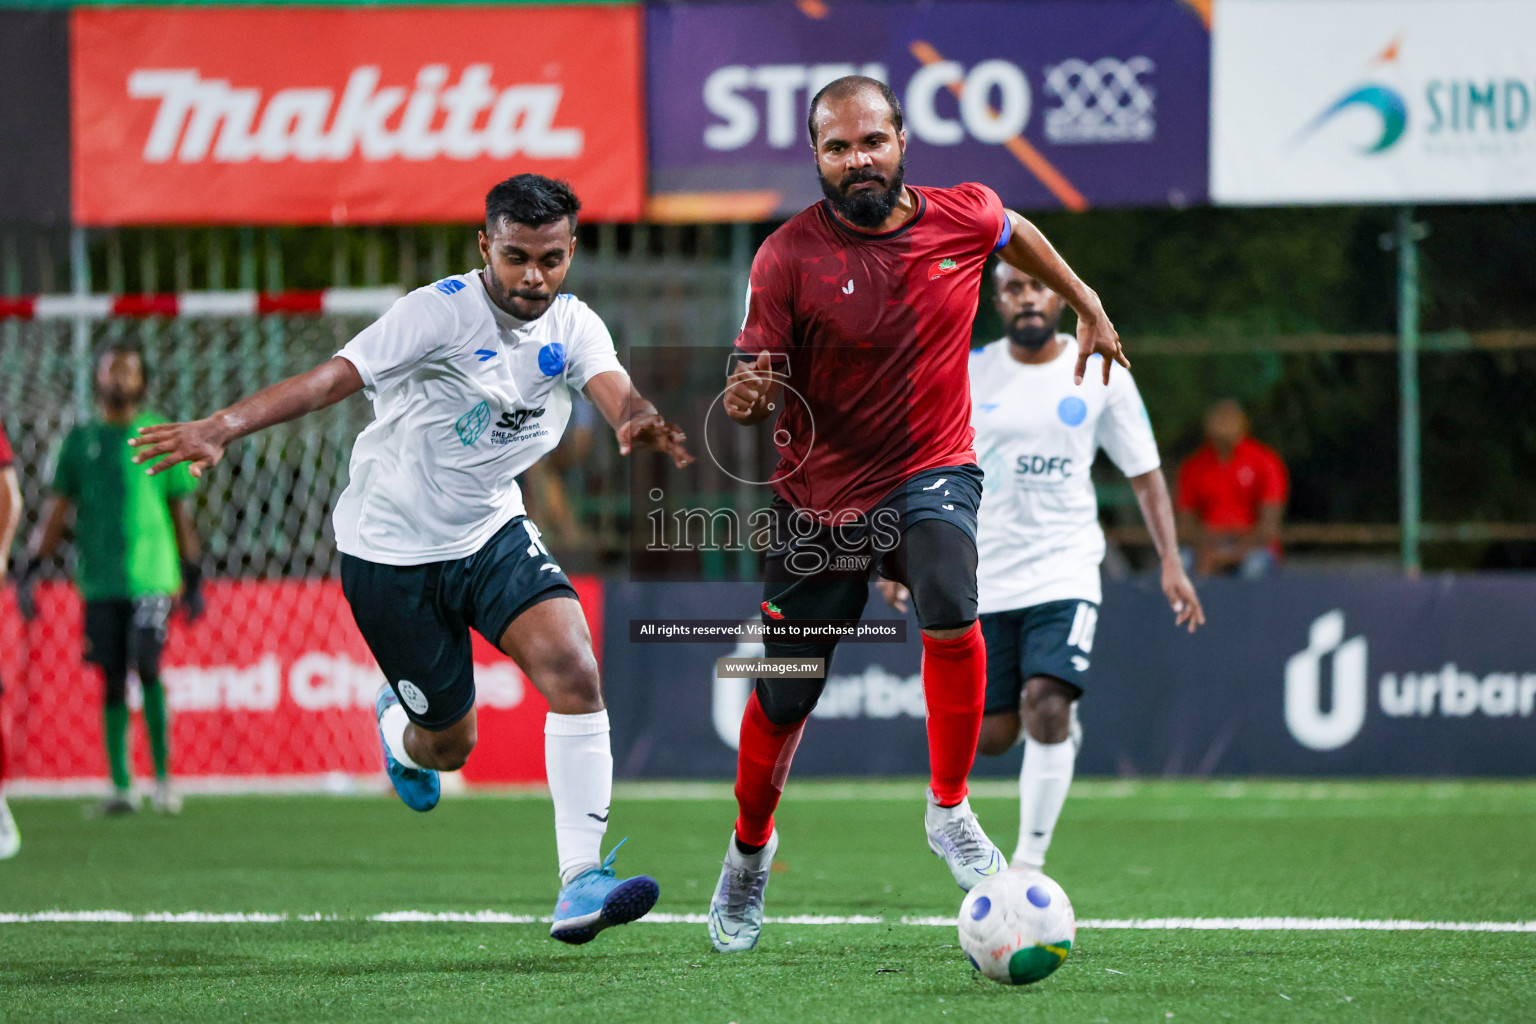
<point>136,550</point>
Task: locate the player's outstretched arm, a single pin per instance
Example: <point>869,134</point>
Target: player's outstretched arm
<point>635,421</point>
<point>201,443</point>
<point>1030,251</point>
<point>1157,509</point>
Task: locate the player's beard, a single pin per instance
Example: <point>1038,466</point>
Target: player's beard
<point>1031,335</point>
<point>116,398</point>
<point>868,207</point>
<point>503,297</point>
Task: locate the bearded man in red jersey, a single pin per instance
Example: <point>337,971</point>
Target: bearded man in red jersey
<point>857,336</point>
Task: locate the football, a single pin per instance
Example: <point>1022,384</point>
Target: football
<point>1017,927</point>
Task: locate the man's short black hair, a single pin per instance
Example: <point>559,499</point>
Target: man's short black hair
<point>123,347</point>
<point>530,199</point>
<point>845,87</point>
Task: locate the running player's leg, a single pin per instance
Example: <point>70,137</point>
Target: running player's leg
<point>770,731</point>
<point>10,835</point>
<point>410,617</point>
<point>524,603</point>
<point>151,618</point>
<point>1057,640</point>
<point>107,625</point>
<point>936,560</point>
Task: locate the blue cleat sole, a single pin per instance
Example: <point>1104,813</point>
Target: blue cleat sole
<point>629,901</point>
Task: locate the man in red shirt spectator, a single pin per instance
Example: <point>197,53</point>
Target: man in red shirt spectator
<point>1232,494</point>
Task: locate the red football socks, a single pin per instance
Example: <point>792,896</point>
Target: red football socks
<point>955,687</point>
<point>762,765</point>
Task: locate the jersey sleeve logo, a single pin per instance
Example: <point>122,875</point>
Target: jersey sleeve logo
<point>942,268</point>
<point>472,424</point>
<point>449,285</point>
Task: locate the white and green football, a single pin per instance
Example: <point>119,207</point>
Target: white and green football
<point>1017,927</point>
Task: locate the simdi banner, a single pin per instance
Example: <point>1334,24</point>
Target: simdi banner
<point>1053,104</point>
<point>272,683</point>
<point>1316,101</point>
<point>321,116</point>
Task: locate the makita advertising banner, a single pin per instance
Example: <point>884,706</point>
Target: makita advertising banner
<point>1053,104</point>
<point>331,116</point>
<point>273,682</point>
<point>1315,101</point>
<point>1298,675</point>
<point>34,116</point>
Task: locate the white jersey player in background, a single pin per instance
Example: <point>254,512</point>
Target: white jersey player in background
<point>471,380</point>
<point>1040,542</point>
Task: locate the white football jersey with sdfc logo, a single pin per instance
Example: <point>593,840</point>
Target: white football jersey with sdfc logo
<point>1038,536</point>
<point>465,398</point>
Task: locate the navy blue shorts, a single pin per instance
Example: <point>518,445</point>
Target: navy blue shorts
<point>825,572</point>
<point>416,618</point>
<point>1053,639</point>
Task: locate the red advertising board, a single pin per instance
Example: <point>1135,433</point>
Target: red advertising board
<point>331,116</point>
<point>273,681</point>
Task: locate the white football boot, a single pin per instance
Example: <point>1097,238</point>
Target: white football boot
<point>165,800</point>
<point>955,835</point>
<point>10,835</point>
<point>736,911</point>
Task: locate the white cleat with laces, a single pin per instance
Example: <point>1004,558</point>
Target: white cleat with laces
<point>736,911</point>
<point>955,835</point>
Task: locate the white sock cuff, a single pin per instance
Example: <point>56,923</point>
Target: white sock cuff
<point>1053,758</point>
<point>593,724</point>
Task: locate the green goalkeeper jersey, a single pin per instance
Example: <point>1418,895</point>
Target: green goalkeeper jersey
<point>125,543</point>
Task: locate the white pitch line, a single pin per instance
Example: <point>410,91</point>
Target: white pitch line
<point>1246,924</point>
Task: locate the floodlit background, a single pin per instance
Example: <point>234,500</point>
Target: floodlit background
<point>1322,210</point>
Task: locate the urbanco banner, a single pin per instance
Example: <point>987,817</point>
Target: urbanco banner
<point>1297,675</point>
<point>1052,104</point>
<point>1373,101</point>
<point>331,116</point>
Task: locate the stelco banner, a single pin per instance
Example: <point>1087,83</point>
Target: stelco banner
<point>1297,675</point>
<point>274,681</point>
<point>1316,101</point>
<point>1053,104</point>
<point>331,116</point>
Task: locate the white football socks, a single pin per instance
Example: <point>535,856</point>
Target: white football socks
<point>579,765</point>
<point>1043,783</point>
<point>392,725</point>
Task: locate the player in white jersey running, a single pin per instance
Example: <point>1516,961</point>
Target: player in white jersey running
<point>471,380</point>
<point>1039,539</point>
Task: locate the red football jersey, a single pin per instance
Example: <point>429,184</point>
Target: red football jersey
<point>1226,496</point>
<point>876,331</point>
<point>6,456</point>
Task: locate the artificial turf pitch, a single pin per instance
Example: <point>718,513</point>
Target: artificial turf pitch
<point>1462,852</point>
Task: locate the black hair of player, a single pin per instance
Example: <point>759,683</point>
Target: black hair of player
<point>852,85</point>
<point>530,199</point>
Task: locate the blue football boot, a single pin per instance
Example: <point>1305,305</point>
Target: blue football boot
<point>418,787</point>
<point>595,899</point>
